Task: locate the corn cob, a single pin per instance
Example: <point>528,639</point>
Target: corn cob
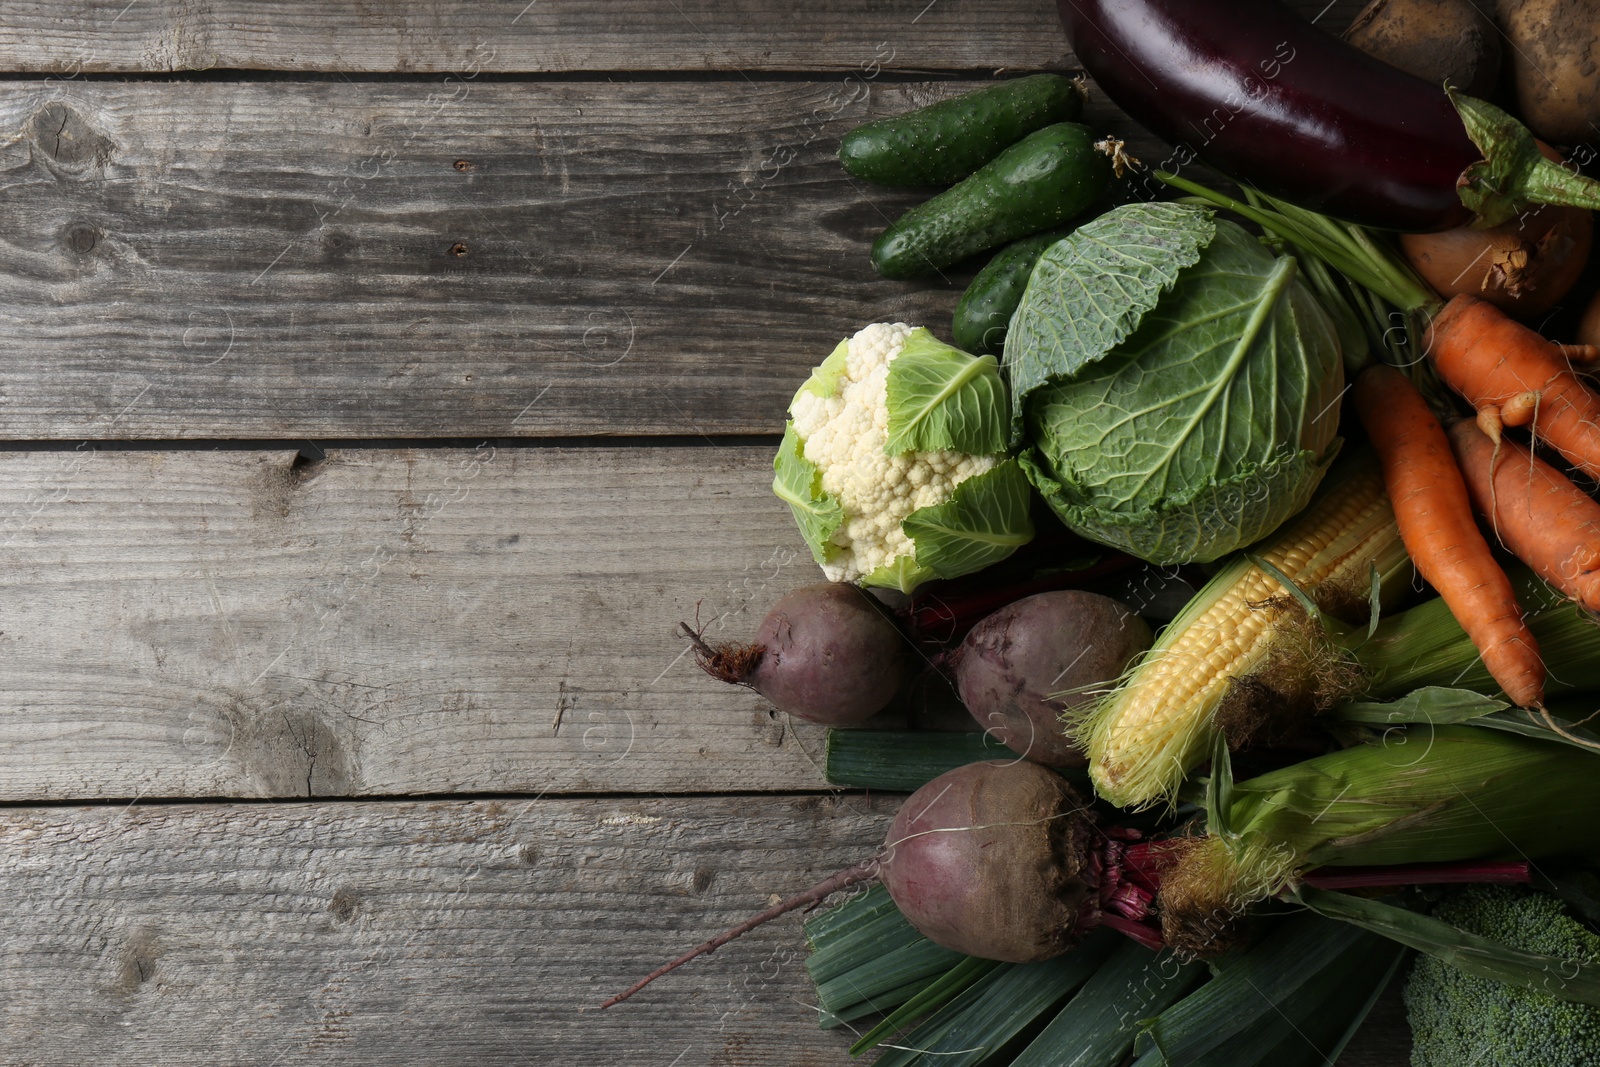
<point>1243,627</point>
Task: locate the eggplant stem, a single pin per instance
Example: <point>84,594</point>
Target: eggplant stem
<point>861,872</point>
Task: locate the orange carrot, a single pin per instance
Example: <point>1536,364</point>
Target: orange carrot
<point>1549,523</point>
<point>1490,359</point>
<point>1435,518</point>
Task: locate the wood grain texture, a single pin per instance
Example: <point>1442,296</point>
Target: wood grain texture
<point>275,260</point>
<point>456,934</point>
<point>453,934</point>
<point>97,36</point>
<point>437,258</point>
<point>226,624</point>
<point>518,36</point>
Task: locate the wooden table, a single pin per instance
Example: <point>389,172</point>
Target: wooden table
<point>382,383</point>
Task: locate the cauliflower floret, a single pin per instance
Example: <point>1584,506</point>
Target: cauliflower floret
<point>845,434</point>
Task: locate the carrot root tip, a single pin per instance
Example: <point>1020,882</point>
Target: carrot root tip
<point>1490,422</point>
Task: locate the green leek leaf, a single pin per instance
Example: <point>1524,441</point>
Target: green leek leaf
<point>855,933</point>
<point>1308,974</point>
<point>1007,1001</point>
<point>1098,1025</point>
<point>878,1004</point>
<point>903,760</point>
<point>873,982</point>
<point>944,991</point>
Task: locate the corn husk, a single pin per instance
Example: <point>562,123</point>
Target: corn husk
<point>1425,646</point>
<point>1428,794</point>
<point>1565,979</point>
<point>1414,795</point>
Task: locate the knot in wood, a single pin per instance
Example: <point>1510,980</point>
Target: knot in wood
<point>82,238</point>
<point>67,139</point>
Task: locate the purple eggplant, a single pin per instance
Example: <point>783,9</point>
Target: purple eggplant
<point>1254,90</point>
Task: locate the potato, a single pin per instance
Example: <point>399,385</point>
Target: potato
<point>1554,56</point>
<point>1437,40</point>
<point>1589,328</point>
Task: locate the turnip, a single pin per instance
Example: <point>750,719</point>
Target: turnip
<point>1062,642</point>
<point>998,860</point>
<point>825,653</point>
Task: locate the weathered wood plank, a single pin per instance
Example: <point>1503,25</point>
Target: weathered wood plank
<point>467,934</point>
<point>519,36</point>
<point>453,933</point>
<point>302,260</point>
<point>97,36</point>
<point>224,624</point>
<point>274,260</point>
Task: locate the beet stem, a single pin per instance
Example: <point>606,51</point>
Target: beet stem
<point>864,872</point>
<point>1506,873</point>
<point>1138,931</point>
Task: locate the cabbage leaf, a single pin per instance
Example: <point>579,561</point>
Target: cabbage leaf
<point>1100,282</point>
<point>1200,426</point>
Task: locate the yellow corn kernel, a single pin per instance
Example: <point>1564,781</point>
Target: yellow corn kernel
<point>1147,734</point>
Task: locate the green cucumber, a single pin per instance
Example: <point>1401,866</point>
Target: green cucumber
<point>1036,184</point>
<point>986,307</point>
<point>944,142</point>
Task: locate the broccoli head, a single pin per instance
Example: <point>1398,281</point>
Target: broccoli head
<point>1460,1020</point>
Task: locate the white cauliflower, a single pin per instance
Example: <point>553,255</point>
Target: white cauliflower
<point>845,435</point>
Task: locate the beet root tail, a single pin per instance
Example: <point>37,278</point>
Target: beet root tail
<point>863,872</point>
<point>732,663</point>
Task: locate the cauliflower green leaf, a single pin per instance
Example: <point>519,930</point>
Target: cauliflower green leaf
<point>940,397</point>
<point>798,482</point>
<point>983,522</point>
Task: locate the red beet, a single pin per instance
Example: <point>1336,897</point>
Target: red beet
<point>998,860</point>
<point>989,859</point>
<point>1010,663</point>
<point>825,653</point>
